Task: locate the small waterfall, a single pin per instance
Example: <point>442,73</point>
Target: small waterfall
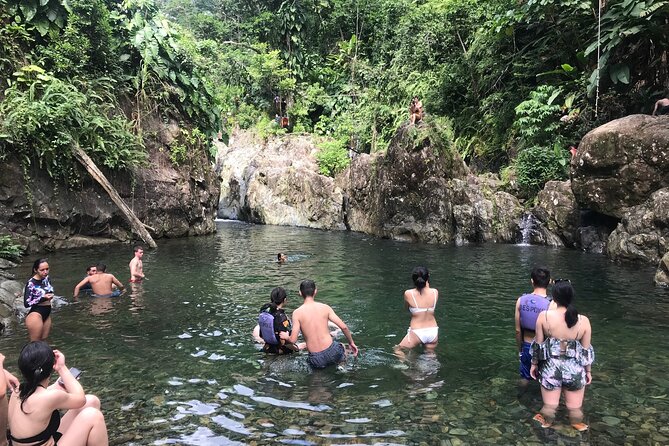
<point>527,226</point>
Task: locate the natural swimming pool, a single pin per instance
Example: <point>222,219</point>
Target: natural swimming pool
<point>173,363</point>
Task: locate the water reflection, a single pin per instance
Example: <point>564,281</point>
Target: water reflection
<point>173,360</point>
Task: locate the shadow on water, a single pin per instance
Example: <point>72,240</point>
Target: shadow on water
<point>173,360</point>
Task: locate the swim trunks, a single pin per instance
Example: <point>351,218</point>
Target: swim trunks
<point>115,293</point>
<point>334,354</point>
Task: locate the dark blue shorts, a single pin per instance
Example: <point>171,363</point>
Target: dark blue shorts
<point>334,354</point>
<point>525,361</point>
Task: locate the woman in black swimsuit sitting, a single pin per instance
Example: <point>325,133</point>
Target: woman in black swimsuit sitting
<point>34,419</point>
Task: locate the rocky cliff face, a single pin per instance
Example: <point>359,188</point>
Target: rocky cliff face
<point>276,183</point>
<point>417,191</point>
<point>172,201</point>
<point>420,190</point>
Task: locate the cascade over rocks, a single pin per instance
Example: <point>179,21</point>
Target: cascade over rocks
<point>172,201</point>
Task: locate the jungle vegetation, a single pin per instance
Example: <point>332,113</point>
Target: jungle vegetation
<point>514,82</point>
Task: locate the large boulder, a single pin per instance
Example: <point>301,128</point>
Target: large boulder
<point>643,233</point>
<point>619,164</point>
<point>404,194</point>
<point>277,182</point>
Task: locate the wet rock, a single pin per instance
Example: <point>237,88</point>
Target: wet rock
<point>277,182</point>
<point>643,233</point>
<point>557,208</point>
<point>611,421</point>
<point>662,274</point>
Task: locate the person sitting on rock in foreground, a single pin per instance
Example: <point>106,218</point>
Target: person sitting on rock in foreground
<point>34,416</point>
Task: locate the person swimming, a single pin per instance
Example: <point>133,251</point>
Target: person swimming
<point>421,302</point>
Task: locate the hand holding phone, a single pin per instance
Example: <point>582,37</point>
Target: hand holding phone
<point>74,371</point>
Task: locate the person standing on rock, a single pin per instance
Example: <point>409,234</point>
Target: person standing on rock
<point>528,307</point>
<point>311,318</point>
<point>37,296</point>
<point>136,266</point>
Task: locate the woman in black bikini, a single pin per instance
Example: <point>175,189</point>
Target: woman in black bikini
<point>34,419</point>
<point>37,296</point>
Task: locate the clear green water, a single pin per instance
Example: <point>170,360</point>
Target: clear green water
<point>174,362</point>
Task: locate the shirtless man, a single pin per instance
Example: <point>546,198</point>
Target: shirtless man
<point>661,107</point>
<point>136,267</point>
<point>101,283</point>
<point>528,307</point>
<point>311,318</point>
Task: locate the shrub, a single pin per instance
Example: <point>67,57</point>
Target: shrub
<point>8,248</point>
<point>537,165</point>
<point>332,157</point>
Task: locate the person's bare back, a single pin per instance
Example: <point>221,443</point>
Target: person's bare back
<point>313,320</point>
<point>101,282</point>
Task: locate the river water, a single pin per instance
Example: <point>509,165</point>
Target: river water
<point>173,362</point>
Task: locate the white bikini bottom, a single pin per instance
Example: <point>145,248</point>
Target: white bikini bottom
<point>427,335</point>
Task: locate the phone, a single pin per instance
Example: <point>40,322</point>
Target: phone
<point>74,371</point>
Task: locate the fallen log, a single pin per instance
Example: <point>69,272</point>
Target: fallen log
<point>138,227</point>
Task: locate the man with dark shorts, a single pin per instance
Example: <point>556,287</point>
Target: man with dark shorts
<point>311,318</point>
<point>528,307</point>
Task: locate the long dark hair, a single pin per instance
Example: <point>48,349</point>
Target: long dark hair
<point>36,362</point>
<point>37,263</point>
<point>563,295</point>
<point>420,277</point>
<point>277,297</point>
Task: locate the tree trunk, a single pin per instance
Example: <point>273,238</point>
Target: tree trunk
<point>93,170</point>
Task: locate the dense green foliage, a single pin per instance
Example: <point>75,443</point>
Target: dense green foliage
<point>9,249</point>
<point>511,76</point>
<point>508,76</point>
<point>87,73</point>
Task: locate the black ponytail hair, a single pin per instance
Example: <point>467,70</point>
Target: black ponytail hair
<point>277,297</point>
<point>563,295</point>
<point>36,362</point>
<point>420,277</point>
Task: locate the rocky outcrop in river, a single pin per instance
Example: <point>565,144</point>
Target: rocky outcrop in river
<point>621,170</point>
<point>172,201</point>
<point>419,190</point>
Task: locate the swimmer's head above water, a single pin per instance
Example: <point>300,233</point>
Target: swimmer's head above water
<point>281,257</point>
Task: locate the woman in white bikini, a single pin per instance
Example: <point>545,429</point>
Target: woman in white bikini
<point>420,302</point>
